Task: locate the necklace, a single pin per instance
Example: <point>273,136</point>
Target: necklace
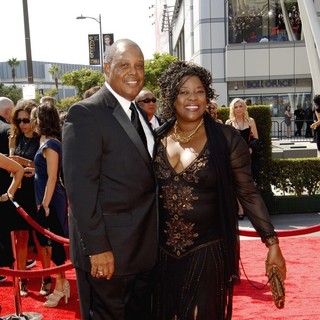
<point>25,139</point>
<point>178,138</point>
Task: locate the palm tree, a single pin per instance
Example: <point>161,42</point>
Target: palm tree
<point>13,63</point>
<point>55,71</point>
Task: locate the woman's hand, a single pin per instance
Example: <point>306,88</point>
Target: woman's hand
<point>28,172</point>
<point>46,209</point>
<point>275,258</point>
<point>4,197</point>
<point>23,161</point>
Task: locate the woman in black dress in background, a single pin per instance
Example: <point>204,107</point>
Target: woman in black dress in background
<point>201,167</point>
<point>239,118</point>
<point>23,145</point>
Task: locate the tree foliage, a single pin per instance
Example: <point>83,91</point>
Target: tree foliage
<point>13,63</point>
<point>83,79</point>
<point>66,103</point>
<point>154,68</point>
<point>56,72</point>
<point>11,92</point>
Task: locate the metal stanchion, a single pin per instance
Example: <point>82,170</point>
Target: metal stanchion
<point>16,292</point>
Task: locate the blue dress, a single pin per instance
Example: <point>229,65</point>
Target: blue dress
<point>58,203</point>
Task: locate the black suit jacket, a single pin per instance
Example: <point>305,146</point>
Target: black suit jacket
<point>111,186</point>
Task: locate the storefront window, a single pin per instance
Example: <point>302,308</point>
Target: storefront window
<point>264,21</point>
<point>278,102</point>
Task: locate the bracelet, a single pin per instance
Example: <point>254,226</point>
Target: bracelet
<point>270,241</point>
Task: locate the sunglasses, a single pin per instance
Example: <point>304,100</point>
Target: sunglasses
<point>148,100</point>
<point>24,120</point>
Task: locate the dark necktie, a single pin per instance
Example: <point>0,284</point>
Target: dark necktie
<point>137,124</point>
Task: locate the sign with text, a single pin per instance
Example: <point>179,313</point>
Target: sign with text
<point>29,91</point>
<point>269,83</point>
<point>94,49</point>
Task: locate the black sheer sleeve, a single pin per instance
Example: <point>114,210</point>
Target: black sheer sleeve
<point>244,186</point>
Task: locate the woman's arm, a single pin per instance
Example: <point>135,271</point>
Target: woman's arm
<point>17,170</point>
<point>315,124</point>
<point>52,159</point>
<point>254,129</point>
<point>250,198</point>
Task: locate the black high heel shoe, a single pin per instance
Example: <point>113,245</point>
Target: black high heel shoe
<point>23,288</point>
<point>45,286</point>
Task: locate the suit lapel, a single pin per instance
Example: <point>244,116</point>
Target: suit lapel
<point>132,133</point>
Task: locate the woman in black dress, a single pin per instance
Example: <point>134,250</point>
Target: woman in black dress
<point>201,167</point>
<point>23,145</point>
<point>239,119</point>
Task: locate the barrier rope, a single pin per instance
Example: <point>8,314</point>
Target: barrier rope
<point>47,233</point>
<point>283,233</point>
<point>39,228</point>
<point>35,273</point>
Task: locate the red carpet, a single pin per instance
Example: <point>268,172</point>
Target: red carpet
<point>302,286</point>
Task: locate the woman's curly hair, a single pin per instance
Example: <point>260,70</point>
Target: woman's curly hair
<point>48,120</point>
<point>22,105</point>
<point>170,83</point>
<point>316,100</point>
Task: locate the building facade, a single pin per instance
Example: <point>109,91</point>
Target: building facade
<point>255,49</point>
<point>42,78</point>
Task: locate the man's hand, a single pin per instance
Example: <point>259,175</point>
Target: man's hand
<point>102,265</point>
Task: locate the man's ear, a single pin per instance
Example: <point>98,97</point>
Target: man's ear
<point>106,68</point>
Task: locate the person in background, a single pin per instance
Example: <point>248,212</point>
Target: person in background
<point>213,110</point>
<point>48,99</point>
<point>23,145</point>
<point>111,187</point>
<point>201,167</point>
<point>239,119</point>
<point>51,199</point>
<point>299,119</point>
<point>6,208</point>
<point>316,124</point>
<point>17,174</point>
<point>287,120</point>
<point>308,117</point>
<point>88,93</point>
<point>148,102</point>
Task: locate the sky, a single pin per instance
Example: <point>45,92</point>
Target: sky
<point>57,36</point>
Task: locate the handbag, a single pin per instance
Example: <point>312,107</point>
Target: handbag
<point>277,287</point>
<point>256,145</point>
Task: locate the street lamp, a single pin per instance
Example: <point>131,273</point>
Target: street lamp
<point>100,36</point>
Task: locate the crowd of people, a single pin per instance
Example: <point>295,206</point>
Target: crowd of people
<point>31,138</point>
<point>150,203</point>
<point>248,24</point>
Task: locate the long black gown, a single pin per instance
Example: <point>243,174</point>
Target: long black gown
<point>191,250</point>
<point>198,226</point>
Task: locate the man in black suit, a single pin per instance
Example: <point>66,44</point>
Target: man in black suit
<point>148,102</point>
<point>112,192</point>
<point>299,119</point>
<point>6,107</point>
